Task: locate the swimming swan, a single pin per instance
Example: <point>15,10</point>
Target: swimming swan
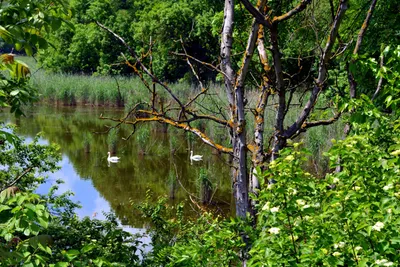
<point>195,157</point>
<point>112,159</point>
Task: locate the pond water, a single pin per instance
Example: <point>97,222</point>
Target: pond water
<point>154,160</point>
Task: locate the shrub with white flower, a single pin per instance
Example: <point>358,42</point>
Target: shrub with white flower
<point>274,230</point>
<point>292,191</point>
<point>274,209</point>
<point>339,245</point>
<point>266,206</point>
<point>384,262</point>
<point>387,187</point>
<point>378,226</point>
<point>300,202</point>
<point>344,227</point>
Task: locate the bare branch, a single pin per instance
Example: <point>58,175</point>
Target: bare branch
<point>352,81</point>
<point>163,119</point>
<point>215,68</point>
<point>17,179</point>
<point>251,41</point>
<point>321,122</point>
<point>260,18</point>
<point>322,72</point>
<point>142,66</point>
<point>378,88</point>
<point>364,27</point>
<point>191,66</point>
<point>300,7</point>
<point>332,9</point>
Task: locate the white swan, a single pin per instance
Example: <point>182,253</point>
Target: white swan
<point>112,159</point>
<point>195,157</point>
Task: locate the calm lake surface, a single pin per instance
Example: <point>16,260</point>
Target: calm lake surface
<point>153,160</point>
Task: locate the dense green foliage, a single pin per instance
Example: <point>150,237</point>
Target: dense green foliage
<point>41,230</point>
<point>346,218</point>
<point>23,26</point>
<point>88,49</point>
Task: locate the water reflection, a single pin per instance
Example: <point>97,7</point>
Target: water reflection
<point>151,160</point>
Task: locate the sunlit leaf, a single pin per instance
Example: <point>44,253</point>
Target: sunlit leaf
<point>5,34</point>
<point>7,58</point>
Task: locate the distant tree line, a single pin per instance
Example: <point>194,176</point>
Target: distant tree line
<point>85,48</point>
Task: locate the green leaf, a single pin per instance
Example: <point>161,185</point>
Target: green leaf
<point>87,248</point>
<point>4,207</point>
<point>28,49</point>
<point>56,24</point>
<point>6,35</point>
<point>27,232</point>
<point>395,240</point>
<point>18,46</point>
<point>388,100</point>
<point>42,43</point>
<point>8,236</point>
<point>14,93</point>
<point>43,222</point>
<point>61,264</point>
<point>72,254</point>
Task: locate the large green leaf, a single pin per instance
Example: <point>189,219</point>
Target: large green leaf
<point>5,34</point>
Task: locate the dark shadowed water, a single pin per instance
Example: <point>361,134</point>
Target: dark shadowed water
<point>152,161</point>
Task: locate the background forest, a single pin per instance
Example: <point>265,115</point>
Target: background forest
<point>189,58</point>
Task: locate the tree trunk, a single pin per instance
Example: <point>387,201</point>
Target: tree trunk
<point>236,103</point>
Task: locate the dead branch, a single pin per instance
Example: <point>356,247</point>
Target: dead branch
<point>142,66</point>
<point>16,179</point>
<point>378,88</point>
<point>260,18</point>
<point>321,122</point>
<point>322,72</point>
<point>351,79</point>
<point>300,7</point>
<point>364,27</point>
<point>211,66</point>
<point>163,119</point>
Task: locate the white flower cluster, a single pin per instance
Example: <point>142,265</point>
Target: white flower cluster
<point>378,226</point>
<point>292,191</point>
<point>267,207</point>
<point>274,230</point>
<point>300,202</point>
<point>274,209</point>
<point>339,245</point>
<point>387,187</point>
<point>384,262</point>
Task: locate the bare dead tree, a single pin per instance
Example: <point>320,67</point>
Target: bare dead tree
<point>263,40</point>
